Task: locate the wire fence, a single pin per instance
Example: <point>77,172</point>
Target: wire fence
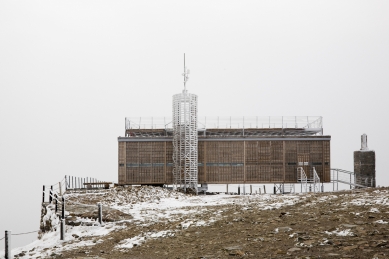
<point>76,203</point>
<point>18,234</point>
<point>56,194</point>
<point>72,184</point>
<point>82,183</point>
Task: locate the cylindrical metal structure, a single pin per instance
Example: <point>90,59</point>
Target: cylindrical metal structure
<point>185,142</point>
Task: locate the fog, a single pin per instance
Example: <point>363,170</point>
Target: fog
<point>71,71</point>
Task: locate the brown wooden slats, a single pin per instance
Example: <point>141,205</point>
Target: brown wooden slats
<point>226,161</point>
<point>132,152</point>
<point>316,157</point>
<point>201,161</point>
<point>327,164</point>
<point>169,162</point>
<point>291,160</point>
<point>122,162</point>
<point>264,161</point>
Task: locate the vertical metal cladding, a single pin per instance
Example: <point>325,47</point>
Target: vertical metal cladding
<point>185,141</point>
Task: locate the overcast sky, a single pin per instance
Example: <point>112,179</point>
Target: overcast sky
<point>71,71</point>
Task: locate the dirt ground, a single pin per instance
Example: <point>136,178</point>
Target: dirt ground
<point>339,225</point>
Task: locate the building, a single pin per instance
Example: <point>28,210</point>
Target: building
<point>230,150</point>
<point>186,150</point>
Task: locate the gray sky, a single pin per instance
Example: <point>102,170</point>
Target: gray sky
<point>70,72</point>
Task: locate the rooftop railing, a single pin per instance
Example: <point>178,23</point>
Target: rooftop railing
<point>230,122</point>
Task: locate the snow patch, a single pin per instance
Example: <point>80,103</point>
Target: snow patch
<point>342,233</point>
<point>140,239</point>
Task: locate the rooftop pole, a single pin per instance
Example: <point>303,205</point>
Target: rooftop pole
<point>184,74</point>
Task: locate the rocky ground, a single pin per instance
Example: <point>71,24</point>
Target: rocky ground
<point>156,223</point>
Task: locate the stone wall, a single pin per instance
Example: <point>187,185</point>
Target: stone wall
<point>364,167</point>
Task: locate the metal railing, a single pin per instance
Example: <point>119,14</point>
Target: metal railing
<point>349,178</point>
<point>302,178</point>
<point>316,181</point>
<point>228,122</point>
<point>305,181</point>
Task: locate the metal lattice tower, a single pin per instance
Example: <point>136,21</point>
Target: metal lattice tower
<point>185,173</point>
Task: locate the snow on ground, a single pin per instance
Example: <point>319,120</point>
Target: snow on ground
<point>140,239</point>
<point>50,242</point>
<point>343,233</point>
<point>148,205</point>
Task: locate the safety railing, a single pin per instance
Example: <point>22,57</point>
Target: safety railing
<point>302,178</point>
<point>341,176</point>
<point>316,181</point>
<point>228,122</point>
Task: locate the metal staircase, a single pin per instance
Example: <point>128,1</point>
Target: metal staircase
<point>338,176</point>
<point>308,184</point>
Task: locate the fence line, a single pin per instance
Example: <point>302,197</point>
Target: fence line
<point>56,194</point>
<point>77,203</point>
<point>24,233</point>
<point>71,183</point>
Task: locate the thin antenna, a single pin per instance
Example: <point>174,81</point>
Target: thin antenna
<point>185,74</point>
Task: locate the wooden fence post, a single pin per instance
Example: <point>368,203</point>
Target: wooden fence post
<point>43,195</point>
<point>51,194</point>
<point>100,210</point>
<point>62,229</point>
<point>56,203</point>
<point>264,189</point>
<point>63,207</point>
<point>8,254</point>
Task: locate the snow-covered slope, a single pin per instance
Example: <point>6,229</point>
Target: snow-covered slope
<point>148,206</point>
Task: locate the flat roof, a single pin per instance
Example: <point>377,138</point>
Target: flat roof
<point>230,138</point>
<point>224,126</point>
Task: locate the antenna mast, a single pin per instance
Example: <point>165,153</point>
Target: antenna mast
<point>185,139</point>
<point>185,74</point>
